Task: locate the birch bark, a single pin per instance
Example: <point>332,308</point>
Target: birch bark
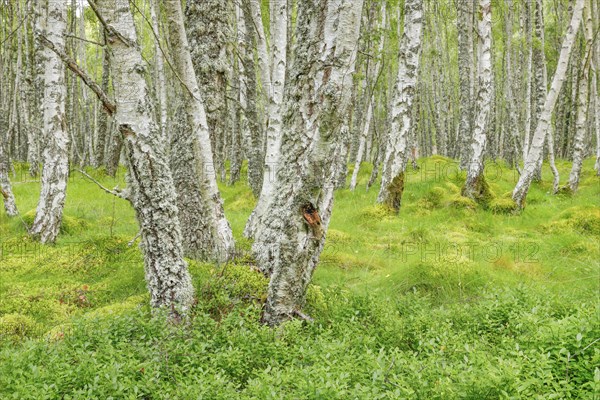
<point>206,232</point>
<point>10,207</point>
<point>291,235</point>
<point>475,185</point>
<point>397,151</point>
<point>55,171</point>
<point>466,61</point>
<point>581,123</point>
<point>150,184</point>
<point>277,78</point>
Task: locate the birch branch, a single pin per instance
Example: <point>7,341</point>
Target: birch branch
<point>115,192</point>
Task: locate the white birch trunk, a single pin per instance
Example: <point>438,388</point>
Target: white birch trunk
<point>537,143</point>
<point>10,207</point>
<point>206,232</point>
<point>581,123</point>
<point>277,78</point>
<point>397,151</point>
<point>290,238</point>
<point>466,66</point>
<point>151,188</point>
<point>475,186</point>
<point>528,25</point>
<point>55,172</point>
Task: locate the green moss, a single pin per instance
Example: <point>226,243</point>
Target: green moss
<point>395,190</point>
<point>376,212</point>
<point>481,191</point>
<point>16,326</point>
<point>503,205</point>
<point>461,202</point>
<point>70,225</point>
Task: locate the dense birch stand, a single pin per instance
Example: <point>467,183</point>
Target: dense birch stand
<point>150,185</point>
<point>55,172</point>
<point>475,185</point>
<point>290,237</point>
<point>543,125</point>
<point>397,149</point>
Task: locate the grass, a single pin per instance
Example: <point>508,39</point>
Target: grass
<point>447,299</point>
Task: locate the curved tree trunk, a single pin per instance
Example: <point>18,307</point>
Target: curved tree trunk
<point>397,149</point>
<point>537,144</point>
<point>55,172</point>
<point>150,185</point>
<point>206,232</point>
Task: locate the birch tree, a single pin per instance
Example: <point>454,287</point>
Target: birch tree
<point>583,91</point>
<point>150,184</point>
<point>10,206</point>
<point>466,62</point>
<point>397,149</point>
<point>206,232</point>
<point>291,235</point>
<point>55,172</point>
<point>207,28</point>
<point>276,81</point>
<point>475,185</point>
<point>537,143</point>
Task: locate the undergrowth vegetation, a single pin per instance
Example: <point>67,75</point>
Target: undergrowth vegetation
<point>448,299</point>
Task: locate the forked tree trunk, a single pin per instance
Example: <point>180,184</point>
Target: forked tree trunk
<point>206,232</point>
<point>290,238</point>
<point>475,186</point>
<point>397,150</point>
<point>537,143</point>
<point>55,172</point>
<point>150,185</point>
<point>277,80</point>
<point>581,123</point>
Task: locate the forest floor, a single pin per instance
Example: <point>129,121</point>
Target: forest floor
<point>445,300</point>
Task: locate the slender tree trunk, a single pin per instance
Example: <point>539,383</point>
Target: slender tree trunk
<point>151,188</point>
<point>103,125</point>
<point>465,67</point>
<point>290,238</point>
<point>581,123</point>
<point>362,151</point>
<point>529,84</point>
<point>55,172</point>
<point>475,185</point>
<point>10,207</point>
<point>255,128</point>
<point>206,232</point>
<point>397,151</point>
<point>279,24</point>
<point>160,83</point>
<point>537,144</point>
